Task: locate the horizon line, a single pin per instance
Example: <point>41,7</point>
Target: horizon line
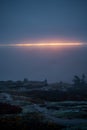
<point>42,44</point>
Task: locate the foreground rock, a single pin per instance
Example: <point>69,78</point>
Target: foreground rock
<point>6,108</point>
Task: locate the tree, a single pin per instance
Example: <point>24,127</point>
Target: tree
<point>83,82</point>
<point>25,80</point>
<point>45,81</point>
<point>77,81</point>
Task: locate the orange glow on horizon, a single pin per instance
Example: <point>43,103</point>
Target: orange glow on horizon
<point>43,44</point>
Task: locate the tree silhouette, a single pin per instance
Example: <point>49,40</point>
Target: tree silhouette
<point>79,82</point>
<point>83,81</point>
<point>76,81</point>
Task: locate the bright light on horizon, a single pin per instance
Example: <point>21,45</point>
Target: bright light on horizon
<point>43,44</point>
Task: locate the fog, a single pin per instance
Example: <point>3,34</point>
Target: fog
<point>39,63</point>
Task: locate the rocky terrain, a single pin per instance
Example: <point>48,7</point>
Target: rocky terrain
<point>43,106</point>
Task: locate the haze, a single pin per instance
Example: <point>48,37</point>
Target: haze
<point>25,22</point>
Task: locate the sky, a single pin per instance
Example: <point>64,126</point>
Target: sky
<point>29,21</point>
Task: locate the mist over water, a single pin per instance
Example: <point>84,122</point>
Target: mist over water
<point>37,63</point>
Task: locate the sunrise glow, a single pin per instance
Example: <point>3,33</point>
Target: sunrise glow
<point>43,44</point>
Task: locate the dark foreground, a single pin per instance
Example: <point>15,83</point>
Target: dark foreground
<point>40,106</point>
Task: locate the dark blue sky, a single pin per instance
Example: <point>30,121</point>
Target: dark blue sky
<point>22,20</point>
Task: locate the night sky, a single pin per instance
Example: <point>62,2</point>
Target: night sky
<point>34,20</point>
